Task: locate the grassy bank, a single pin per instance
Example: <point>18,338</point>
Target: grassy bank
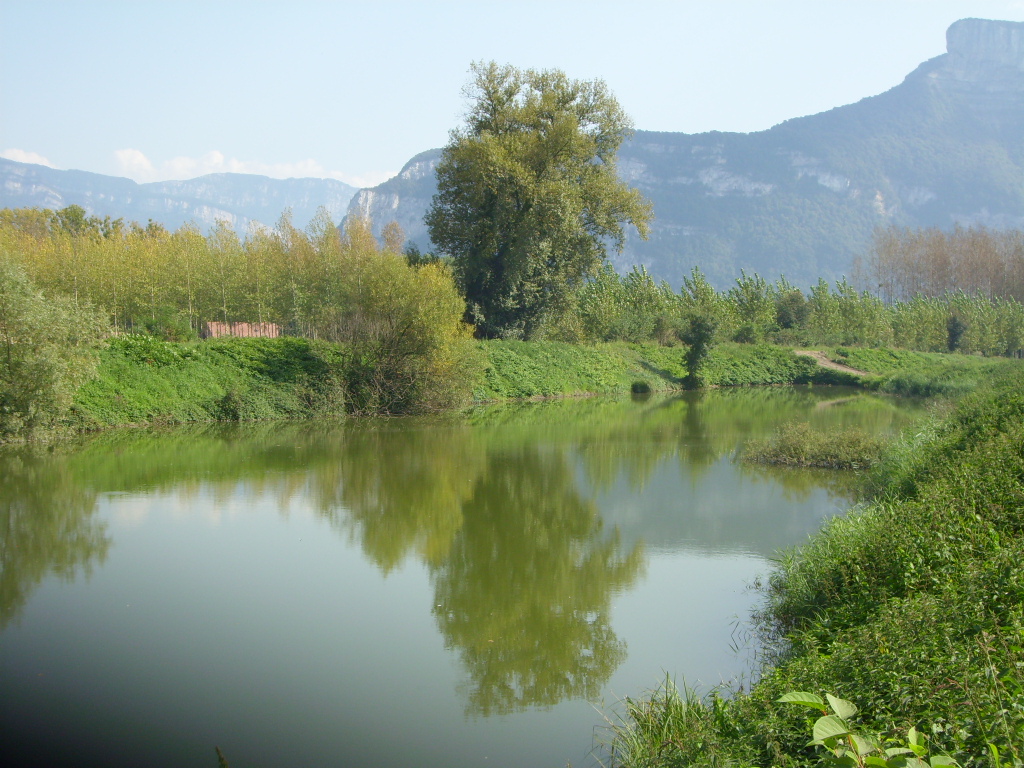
<point>919,374</point>
<point>144,380</point>
<point>141,379</point>
<point>912,608</point>
<point>516,369</point>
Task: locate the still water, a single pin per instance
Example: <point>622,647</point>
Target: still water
<point>472,590</point>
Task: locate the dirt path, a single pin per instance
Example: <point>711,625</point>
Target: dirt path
<point>826,363</point>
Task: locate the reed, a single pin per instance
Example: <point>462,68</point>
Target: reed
<point>797,444</point>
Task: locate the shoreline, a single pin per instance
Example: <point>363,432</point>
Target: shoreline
<point>153,382</point>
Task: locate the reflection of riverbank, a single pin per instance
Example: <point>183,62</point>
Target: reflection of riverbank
<point>361,587</point>
<point>46,526</point>
<point>399,486</point>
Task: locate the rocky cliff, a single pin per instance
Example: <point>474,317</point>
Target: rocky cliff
<point>404,198</point>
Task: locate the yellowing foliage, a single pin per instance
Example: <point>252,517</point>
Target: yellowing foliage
<point>402,325</point>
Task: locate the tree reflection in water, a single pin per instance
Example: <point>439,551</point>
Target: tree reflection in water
<point>522,567</point>
<point>399,490</point>
<point>524,594</point>
<point>500,508</point>
<point>46,526</point>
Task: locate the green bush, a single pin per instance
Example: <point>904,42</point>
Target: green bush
<point>169,324</point>
<point>48,348</point>
<point>408,347</point>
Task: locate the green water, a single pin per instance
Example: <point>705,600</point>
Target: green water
<point>471,590</point>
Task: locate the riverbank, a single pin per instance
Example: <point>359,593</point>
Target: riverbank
<point>912,608</point>
<point>143,380</point>
<point>516,369</point>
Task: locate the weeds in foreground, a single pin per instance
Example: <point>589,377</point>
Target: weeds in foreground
<point>675,726</point>
<point>851,748</point>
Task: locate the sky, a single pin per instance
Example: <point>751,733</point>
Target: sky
<point>352,90</point>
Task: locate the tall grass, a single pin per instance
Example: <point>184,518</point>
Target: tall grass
<point>797,444</point>
<point>648,734</point>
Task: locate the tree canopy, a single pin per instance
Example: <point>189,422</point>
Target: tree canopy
<point>528,196</point>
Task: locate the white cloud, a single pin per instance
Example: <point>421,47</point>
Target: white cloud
<point>135,165</point>
<point>24,156</point>
<point>189,167</point>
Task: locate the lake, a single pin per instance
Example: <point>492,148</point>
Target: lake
<point>477,589</point>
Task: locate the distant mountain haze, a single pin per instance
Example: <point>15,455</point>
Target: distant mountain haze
<point>802,199</point>
<point>236,198</point>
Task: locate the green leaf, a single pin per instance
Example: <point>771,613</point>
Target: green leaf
<point>881,762</point>
<point>865,744</point>
<point>843,708</point>
<point>898,751</point>
<point>843,761</point>
<point>946,760</point>
<point>803,698</point>
<point>829,727</point>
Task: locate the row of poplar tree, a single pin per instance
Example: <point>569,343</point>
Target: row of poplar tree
<point>304,280</point>
<point>635,307</point>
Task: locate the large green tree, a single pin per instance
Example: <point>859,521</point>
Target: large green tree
<point>528,196</point>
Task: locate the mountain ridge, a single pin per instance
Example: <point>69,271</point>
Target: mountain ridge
<point>239,199</point>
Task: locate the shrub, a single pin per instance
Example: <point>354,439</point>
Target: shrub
<point>698,334</point>
<point>48,348</point>
<point>408,348</point>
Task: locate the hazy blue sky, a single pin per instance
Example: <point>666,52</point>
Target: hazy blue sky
<point>352,90</point>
